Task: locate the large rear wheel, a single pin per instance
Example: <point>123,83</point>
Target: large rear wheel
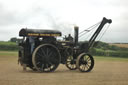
<point>46,58</point>
<point>85,62</point>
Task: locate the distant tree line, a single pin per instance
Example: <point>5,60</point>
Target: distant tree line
<point>99,49</point>
<point>104,49</point>
<point>8,46</point>
<point>11,45</point>
<point>14,39</point>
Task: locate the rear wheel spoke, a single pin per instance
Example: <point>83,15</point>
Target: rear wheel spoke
<point>49,58</point>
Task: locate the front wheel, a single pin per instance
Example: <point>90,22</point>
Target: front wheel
<point>85,62</point>
<point>71,63</point>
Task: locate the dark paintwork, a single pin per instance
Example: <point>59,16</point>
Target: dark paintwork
<point>24,32</point>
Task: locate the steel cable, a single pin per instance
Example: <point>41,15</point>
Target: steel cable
<point>88,29</point>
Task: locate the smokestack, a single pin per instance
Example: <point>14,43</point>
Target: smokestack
<point>76,31</point>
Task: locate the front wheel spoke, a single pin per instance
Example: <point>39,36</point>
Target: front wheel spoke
<point>74,66</point>
<point>89,63</point>
<point>82,66</point>
<point>71,67</point>
<point>87,66</point>
<point>68,63</point>
<point>69,60</point>
<point>88,58</point>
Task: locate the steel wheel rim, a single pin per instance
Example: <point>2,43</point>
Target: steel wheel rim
<point>71,63</point>
<point>46,58</point>
<point>85,62</point>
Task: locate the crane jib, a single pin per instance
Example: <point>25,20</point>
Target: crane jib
<point>94,36</point>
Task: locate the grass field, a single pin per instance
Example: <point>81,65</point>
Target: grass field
<point>121,45</point>
<point>102,58</point>
<point>107,71</point>
<point>8,53</point>
<point>7,43</point>
<point>15,54</point>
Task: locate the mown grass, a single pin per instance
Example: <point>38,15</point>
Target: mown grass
<point>121,45</point>
<point>8,56</point>
<point>8,53</point>
<point>99,58</point>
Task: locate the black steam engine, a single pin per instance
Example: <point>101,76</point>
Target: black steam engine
<point>41,51</point>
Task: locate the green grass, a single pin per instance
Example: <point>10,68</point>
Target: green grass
<point>8,46</point>
<point>8,53</point>
<point>99,58</point>
<point>7,43</point>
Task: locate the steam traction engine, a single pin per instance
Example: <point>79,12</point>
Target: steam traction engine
<point>41,51</point>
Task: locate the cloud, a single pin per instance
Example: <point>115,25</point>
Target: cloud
<point>62,14</point>
<point>6,17</point>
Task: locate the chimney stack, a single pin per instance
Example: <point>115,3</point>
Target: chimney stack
<point>76,33</point>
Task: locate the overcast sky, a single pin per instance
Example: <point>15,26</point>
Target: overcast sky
<point>63,15</point>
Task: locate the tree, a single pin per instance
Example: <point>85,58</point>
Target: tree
<point>13,39</point>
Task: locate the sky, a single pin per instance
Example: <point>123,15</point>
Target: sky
<point>63,15</point>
